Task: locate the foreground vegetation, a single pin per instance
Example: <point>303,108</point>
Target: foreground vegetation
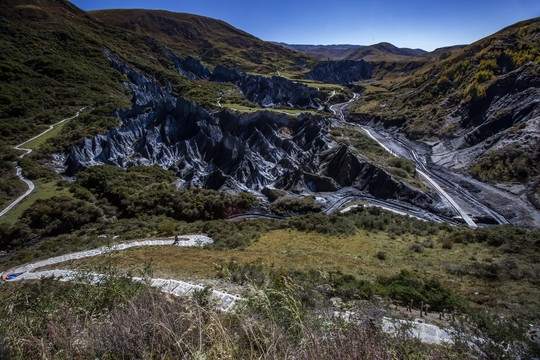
<point>364,253</point>
<point>280,319</point>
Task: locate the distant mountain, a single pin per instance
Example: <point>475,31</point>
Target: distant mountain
<point>378,52</point>
<point>384,51</point>
<point>443,52</point>
<point>213,41</point>
<point>481,102</point>
<point>323,52</point>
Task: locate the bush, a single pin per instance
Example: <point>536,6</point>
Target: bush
<point>150,191</point>
<point>447,244</point>
<point>511,164</point>
<point>417,248</point>
<point>60,214</point>
<point>401,163</point>
<point>406,287</point>
<point>296,206</point>
<point>167,227</point>
<point>273,194</point>
<point>323,224</point>
<point>484,75</point>
<point>474,91</point>
<point>496,337</point>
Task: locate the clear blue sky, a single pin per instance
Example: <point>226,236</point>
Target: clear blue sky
<point>415,23</point>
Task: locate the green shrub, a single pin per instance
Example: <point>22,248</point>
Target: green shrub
<point>273,194</point>
<point>406,287</point>
<point>474,91</point>
<point>150,190</point>
<point>323,224</point>
<point>510,164</point>
<point>484,75</point>
<point>167,227</point>
<point>296,206</point>
<point>60,214</point>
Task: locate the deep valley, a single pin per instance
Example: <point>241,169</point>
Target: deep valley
<point>330,185</point>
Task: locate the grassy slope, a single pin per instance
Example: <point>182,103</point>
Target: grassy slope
<point>422,96</point>
<point>213,41</point>
<point>52,63</point>
<point>423,99</point>
<point>357,255</point>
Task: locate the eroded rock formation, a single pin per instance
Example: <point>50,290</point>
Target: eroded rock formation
<point>341,72</point>
<point>265,91</point>
<point>232,152</point>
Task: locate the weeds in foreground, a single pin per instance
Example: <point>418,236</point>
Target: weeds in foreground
<point>121,319</point>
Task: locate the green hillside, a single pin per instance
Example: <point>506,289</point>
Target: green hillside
<point>53,63</point>
<point>423,96</point>
<point>486,88</point>
<point>213,41</point>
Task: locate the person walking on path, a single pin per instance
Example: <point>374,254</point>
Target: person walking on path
<point>175,240</point>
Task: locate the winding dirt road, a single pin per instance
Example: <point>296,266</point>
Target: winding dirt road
<point>29,183</point>
<point>421,167</point>
<point>170,286</point>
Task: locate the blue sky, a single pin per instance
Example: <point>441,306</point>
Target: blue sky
<point>414,23</point>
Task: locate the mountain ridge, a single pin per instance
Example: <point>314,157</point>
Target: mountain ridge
<point>215,42</point>
<point>376,52</point>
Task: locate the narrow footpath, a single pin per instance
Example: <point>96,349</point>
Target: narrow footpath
<point>29,183</point>
<point>170,286</point>
<point>427,333</point>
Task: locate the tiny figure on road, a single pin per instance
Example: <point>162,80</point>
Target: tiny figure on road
<point>175,240</point>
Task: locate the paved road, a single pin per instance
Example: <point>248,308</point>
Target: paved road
<point>426,333</point>
<point>170,286</point>
<point>29,183</point>
<point>420,166</point>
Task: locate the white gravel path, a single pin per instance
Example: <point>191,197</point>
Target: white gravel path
<point>29,183</point>
<point>170,286</point>
<point>427,333</point>
<point>185,240</point>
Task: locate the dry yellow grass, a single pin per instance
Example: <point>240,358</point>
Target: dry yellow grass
<point>294,250</point>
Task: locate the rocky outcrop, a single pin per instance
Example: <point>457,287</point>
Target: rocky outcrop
<point>188,67</point>
<point>265,91</point>
<point>341,72</point>
<point>232,152</point>
<point>508,114</point>
<point>512,99</point>
<point>276,90</point>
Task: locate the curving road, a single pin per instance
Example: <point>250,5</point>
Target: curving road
<point>421,167</point>
<point>170,286</point>
<point>337,109</point>
<point>430,334</point>
<point>29,183</point>
<point>423,171</point>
